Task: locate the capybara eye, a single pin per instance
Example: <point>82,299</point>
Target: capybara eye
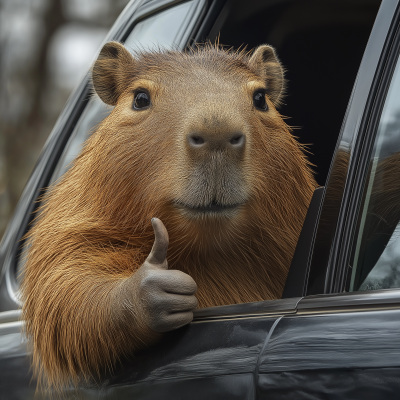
<point>259,100</point>
<point>197,140</point>
<point>141,101</point>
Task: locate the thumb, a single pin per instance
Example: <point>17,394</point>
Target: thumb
<point>158,252</point>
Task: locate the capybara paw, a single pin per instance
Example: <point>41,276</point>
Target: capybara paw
<point>165,297</point>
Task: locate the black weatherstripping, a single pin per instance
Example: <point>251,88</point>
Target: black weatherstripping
<point>212,14</point>
<point>296,282</point>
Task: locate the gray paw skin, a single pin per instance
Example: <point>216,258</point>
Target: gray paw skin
<point>166,297</point>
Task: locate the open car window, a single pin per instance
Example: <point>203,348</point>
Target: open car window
<point>376,261</point>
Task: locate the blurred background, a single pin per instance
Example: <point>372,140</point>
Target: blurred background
<point>46,47</point>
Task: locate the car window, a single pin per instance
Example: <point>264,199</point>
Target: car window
<point>165,29</point>
<point>376,260</point>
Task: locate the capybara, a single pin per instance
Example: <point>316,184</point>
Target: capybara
<point>194,141</point>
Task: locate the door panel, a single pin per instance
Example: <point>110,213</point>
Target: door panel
<point>348,355</point>
<point>213,359</point>
<point>363,384</point>
<point>15,375</point>
<point>218,388</point>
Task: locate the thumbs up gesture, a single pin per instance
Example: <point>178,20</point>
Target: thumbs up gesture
<point>165,297</point>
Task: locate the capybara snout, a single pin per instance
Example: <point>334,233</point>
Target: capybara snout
<point>213,162</point>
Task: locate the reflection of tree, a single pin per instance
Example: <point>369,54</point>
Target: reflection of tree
<point>387,277</point>
<point>328,218</point>
<point>27,91</point>
<point>383,213</point>
<point>391,140</point>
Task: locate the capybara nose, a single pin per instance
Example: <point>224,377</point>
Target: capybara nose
<point>212,142</point>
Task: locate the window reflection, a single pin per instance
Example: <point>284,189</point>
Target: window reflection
<point>162,30</point>
<point>377,251</point>
<point>93,114</point>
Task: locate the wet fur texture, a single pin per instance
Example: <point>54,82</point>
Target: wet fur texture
<point>93,230</point>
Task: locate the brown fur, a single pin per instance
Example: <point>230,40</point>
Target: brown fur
<point>94,230</point>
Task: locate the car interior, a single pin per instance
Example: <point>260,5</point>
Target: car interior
<point>321,53</point>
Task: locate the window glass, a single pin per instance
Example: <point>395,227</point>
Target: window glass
<point>376,262</point>
<point>166,29</point>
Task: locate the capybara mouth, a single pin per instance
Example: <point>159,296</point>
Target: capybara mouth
<point>212,208</point>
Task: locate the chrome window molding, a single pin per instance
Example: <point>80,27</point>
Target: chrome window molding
<point>354,301</point>
<point>381,300</point>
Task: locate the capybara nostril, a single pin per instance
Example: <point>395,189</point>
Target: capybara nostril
<point>196,140</point>
<point>237,141</point>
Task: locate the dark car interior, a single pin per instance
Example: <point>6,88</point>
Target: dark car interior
<point>321,51</point>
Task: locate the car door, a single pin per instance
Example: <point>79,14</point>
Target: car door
<point>222,354</point>
<point>347,345</point>
<point>215,357</point>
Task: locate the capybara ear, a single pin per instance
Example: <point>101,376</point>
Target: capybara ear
<point>111,72</point>
<point>266,64</point>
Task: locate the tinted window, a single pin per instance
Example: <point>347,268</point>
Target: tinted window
<point>321,44</point>
<point>376,262</point>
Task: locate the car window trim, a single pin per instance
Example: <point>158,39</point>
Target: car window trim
<point>386,299</point>
<point>248,310</point>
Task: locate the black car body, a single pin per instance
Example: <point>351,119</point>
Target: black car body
<point>327,337</point>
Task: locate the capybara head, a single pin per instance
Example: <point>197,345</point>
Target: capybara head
<point>195,139</point>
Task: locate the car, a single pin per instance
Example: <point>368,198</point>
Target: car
<point>335,333</point>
